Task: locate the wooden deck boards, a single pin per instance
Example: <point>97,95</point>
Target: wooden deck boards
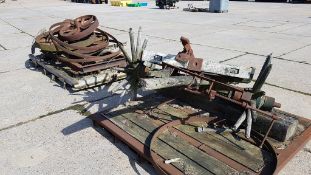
<point>169,146</point>
<point>193,153</point>
<point>238,150</point>
<point>163,149</point>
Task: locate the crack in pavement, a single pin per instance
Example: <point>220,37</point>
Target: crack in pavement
<point>292,90</point>
<point>16,28</point>
<point>8,71</point>
<point>283,59</point>
<point>233,58</point>
<point>294,50</point>
<point>222,48</point>
<point>20,47</point>
<point>174,40</point>
<point>3,47</point>
<point>300,62</point>
<point>277,86</point>
<point>77,107</point>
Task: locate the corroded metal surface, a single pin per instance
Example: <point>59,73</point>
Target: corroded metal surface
<point>81,45</point>
<point>240,96</point>
<point>187,56</point>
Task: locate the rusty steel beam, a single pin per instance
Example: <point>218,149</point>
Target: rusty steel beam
<point>293,148</point>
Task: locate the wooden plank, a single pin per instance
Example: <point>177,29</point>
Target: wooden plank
<point>238,150</point>
<point>239,143</point>
<point>235,141</point>
<point>161,148</point>
<point>251,156</point>
<point>173,111</point>
<point>186,165</point>
<point>182,146</point>
<point>157,113</point>
<point>210,163</point>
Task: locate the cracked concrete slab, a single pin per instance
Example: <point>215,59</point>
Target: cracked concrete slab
<point>64,143</point>
<point>7,29</point>
<point>300,55</point>
<point>14,59</point>
<point>253,41</point>
<point>133,23</point>
<point>300,31</point>
<point>31,25</point>
<point>292,102</point>
<point>2,47</point>
<point>35,95</point>
<point>261,24</point>
<point>286,74</point>
<point>170,30</point>
<point>26,93</point>
<point>268,26</point>
<point>16,40</point>
<point>18,13</point>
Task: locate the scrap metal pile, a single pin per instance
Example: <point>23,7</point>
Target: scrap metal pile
<point>199,116</point>
<point>242,133</point>
<point>78,47</point>
<point>211,82</point>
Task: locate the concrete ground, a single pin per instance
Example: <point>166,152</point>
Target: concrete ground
<point>41,128</point>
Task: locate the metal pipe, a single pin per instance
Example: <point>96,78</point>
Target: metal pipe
<point>249,124</point>
<point>127,57</point>
<point>240,121</point>
<point>138,48</point>
<point>131,33</point>
<point>254,113</point>
<point>267,133</point>
<point>143,49</point>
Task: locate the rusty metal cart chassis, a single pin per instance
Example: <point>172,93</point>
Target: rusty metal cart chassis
<point>215,151</point>
<point>106,74</point>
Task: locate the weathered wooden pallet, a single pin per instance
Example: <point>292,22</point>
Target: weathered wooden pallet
<point>210,152</point>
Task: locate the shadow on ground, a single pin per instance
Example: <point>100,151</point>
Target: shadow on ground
<point>100,99</point>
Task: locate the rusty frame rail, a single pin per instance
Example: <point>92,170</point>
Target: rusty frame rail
<point>102,120</point>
